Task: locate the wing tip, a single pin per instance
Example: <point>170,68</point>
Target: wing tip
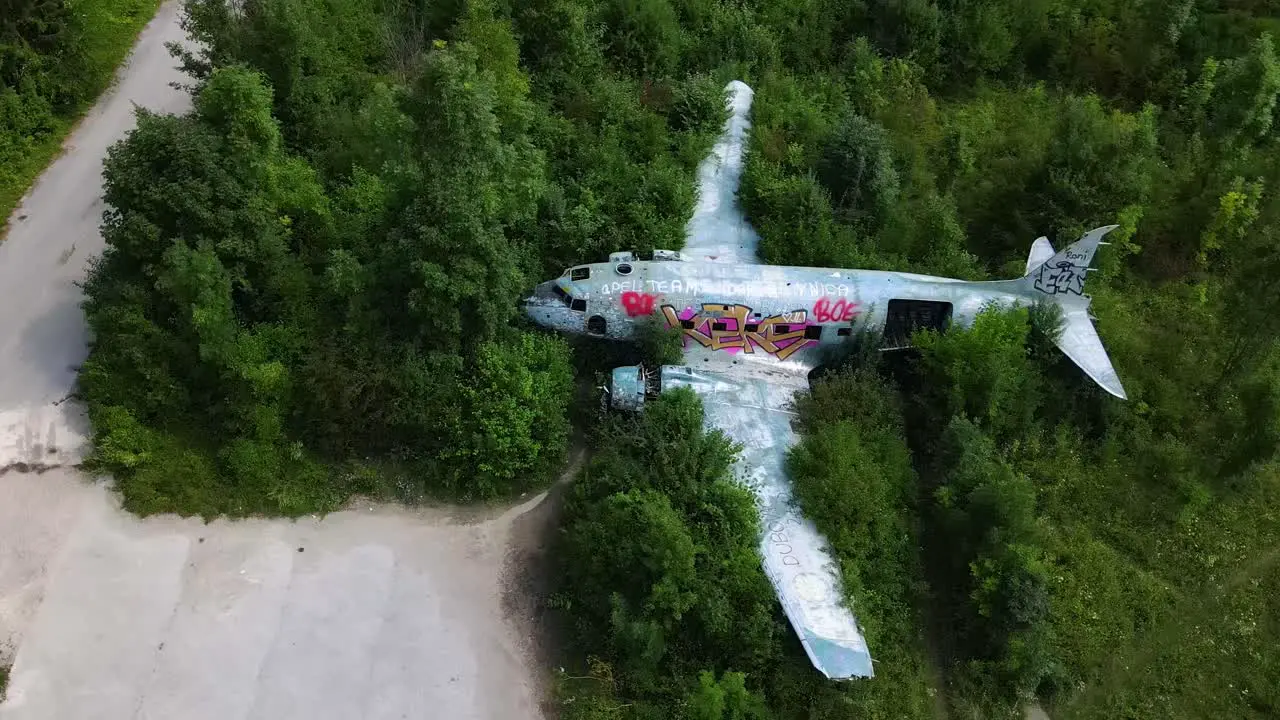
<point>837,661</point>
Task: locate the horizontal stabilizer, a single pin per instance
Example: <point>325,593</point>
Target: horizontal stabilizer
<point>1063,274</point>
<point>1080,342</point>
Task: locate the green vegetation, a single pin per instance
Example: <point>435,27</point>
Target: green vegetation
<point>317,271</point>
<point>313,278</point>
<point>1074,555</point>
<point>1113,559</point>
<point>661,575</point>
<point>662,580</point>
<point>56,57</point>
<point>658,343</point>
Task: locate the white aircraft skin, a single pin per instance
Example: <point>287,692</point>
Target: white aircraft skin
<point>761,313</point>
<point>752,333</point>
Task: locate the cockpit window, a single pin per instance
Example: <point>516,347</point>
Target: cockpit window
<point>580,273</point>
<point>566,297</point>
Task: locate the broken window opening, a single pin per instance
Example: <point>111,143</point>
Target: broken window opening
<point>580,273</point>
<point>905,317</point>
<point>579,305</point>
<point>596,325</point>
<point>813,332</point>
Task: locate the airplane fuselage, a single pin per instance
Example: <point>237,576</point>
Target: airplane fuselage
<point>773,314</point>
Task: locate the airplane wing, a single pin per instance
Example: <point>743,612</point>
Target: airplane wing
<point>718,231</point>
<point>751,405</point>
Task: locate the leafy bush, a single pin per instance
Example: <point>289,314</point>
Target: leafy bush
<point>986,511</point>
<point>857,168</point>
<point>796,221</point>
<point>513,412</point>
<point>659,343</point>
<point>644,36</point>
<point>983,372</point>
<point>659,564</point>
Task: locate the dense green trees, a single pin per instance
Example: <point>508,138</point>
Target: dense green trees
<point>322,263</point>
<point>263,331</point>
<point>1053,516</point>
<point>1038,496</point>
<point>314,276</point>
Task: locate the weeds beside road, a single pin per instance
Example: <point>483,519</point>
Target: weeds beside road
<point>55,60</point>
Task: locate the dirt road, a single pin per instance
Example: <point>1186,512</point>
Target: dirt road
<point>377,612</point>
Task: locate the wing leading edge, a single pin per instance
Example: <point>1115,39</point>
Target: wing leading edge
<point>751,406</point>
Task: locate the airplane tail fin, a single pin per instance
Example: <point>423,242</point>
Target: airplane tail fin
<point>1060,278</point>
<point>1041,250</point>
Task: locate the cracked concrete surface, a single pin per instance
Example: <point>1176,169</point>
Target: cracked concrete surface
<point>375,612</point>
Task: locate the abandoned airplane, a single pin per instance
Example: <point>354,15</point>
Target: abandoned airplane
<point>752,333</point>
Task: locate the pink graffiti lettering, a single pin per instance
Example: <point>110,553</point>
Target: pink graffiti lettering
<point>637,303</point>
<point>840,311</point>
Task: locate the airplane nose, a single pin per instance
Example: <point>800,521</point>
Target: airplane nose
<point>542,294</point>
<point>536,305</point>
<point>539,291</point>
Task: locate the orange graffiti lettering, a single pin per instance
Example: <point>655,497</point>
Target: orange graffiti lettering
<point>726,327</point>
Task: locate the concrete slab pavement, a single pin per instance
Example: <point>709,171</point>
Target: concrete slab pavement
<point>376,612</point>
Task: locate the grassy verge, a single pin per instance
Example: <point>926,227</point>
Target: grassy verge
<point>111,27</point>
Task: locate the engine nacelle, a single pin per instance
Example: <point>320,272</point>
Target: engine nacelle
<point>628,387</point>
